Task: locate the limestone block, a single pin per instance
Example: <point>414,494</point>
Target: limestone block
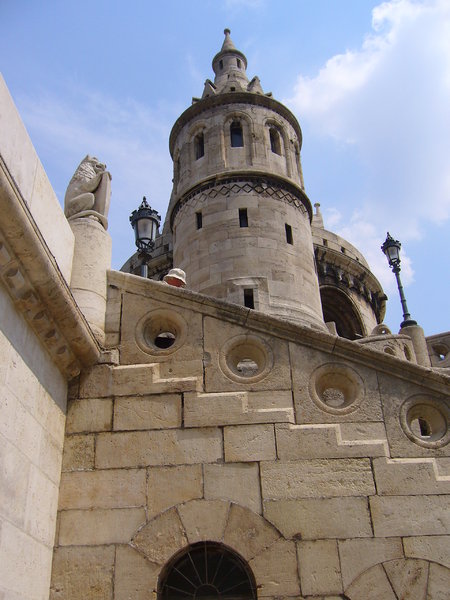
<point>248,533</point>
<point>319,567</point>
<point>233,408</point>
<point>238,482</point>
<point>408,578</point>
<point>154,448</point>
<point>41,507</point>
<point>411,476</point>
<point>103,489</point>
<point>413,515</point>
<point>434,548</point>
<point>249,443</point>
<point>134,577</point>
<point>336,440</point>
<point>358,555</point>
<point>306,361</point>
<point>316,478</point>
<point>97,527</point>
<point>147,379</point>
<point>96,382</point>
<point>273,352</point>
<point>438,582</point>
<point>161,537</point>
<point>395,392</point>
<point>30,579</point>
<point>138,312</point>
<point>372,585</point>
<point>82,573</point>
<point>320,517</point>
<point>78,453</point>
<point>50,456</point>
<point>147,412</point>
<point>168,486</point>
<point>275,570</point>
<point>204,519</point>
<point>87,415</point>
<point>15,472</point>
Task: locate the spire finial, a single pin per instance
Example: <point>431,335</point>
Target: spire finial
<point>226,31</point>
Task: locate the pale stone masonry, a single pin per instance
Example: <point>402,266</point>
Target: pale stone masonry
<point>300,440</point>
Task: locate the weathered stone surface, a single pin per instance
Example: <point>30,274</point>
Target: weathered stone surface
<point>238,482</point>
<point>161,537</point>
<point>96,382</point>
<point>147,379</point>
<point>103,489</point>
<point>204,519</point>
<point>167,447</point>
<point>409,477</point>
<point>408,578</point>
<point>168,486</point>
<point>83,573</point>
<point>438,582</point>
<point>403,515</point>
<point>134,576</point>
<point>86,415</point>
<point>275,570</point>
<point>305,360</point>
<point>78,453</point>
<point>234,408</point>
<point>434,548</point>
<point>248,533</point>
<point>97,527</point>
<point>316,478</point>
<point>147,412</point>
<point>371,585</point>
<point>319,567</point>
<point>358,555</point>
<point>336,440</point>
<point>34,558</point>
<point>320,517</point>
<point>249,443</point>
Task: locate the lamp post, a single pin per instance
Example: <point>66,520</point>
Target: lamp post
<point>145,223</point>
<point>391,249</point>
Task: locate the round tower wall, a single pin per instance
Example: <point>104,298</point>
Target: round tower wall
<point>204,147</point>
<point>251,244</point>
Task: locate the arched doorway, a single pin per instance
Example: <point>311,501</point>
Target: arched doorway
<point>338,307</point>
<point>206,571</point>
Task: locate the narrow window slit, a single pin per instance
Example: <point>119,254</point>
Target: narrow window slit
<point>289,238</point>
<point>199,220</point>
<point>249,300</point>
<point>243,217</point>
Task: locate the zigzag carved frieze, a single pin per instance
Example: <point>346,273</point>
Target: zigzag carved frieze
<point>263,186</point>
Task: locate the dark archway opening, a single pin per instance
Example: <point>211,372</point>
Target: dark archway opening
<point>337,307</point>
<point>209,571</point>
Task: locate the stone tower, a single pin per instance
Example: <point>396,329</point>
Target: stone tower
<point>239,215</point>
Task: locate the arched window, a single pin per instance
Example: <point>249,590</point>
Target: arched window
<point>208,571</point>
<point>199,145</point>
<point>237,139</point>
<point>275,142</point>
<point>338,308</point>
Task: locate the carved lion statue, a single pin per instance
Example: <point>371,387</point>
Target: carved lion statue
<point>89,191</point>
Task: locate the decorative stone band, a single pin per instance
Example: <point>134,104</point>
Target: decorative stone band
<point>332,267</point>
<point>274,187</point>
<point>37,287</point>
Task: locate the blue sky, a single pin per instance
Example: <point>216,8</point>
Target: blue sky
<point>368,81</point>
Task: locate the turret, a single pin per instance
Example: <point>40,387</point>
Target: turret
<point>239,215</point>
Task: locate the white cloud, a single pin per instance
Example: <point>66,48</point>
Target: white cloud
<point>129,137</point>
<point>390,99</point>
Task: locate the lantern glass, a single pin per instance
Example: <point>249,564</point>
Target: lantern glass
<point>146,229</point>
<point>391,249</point>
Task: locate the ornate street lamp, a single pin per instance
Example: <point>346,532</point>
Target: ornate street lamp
<point>391,249</point>
<point>145,223</point>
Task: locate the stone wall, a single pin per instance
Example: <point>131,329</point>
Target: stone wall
<point>290,446</point>
<point>32,416</point>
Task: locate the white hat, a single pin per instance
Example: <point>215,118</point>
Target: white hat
<point>175,277</point>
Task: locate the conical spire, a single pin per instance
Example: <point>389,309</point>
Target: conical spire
<point>229,66</point>
<point>228,42</point>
